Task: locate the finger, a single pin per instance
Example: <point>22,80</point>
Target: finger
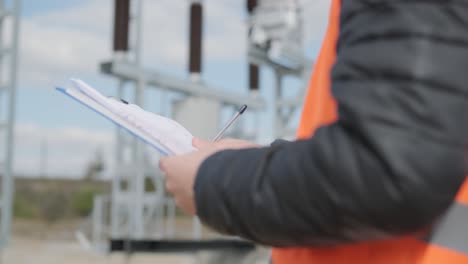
<point>169,186</point>
<point>162,164</point>
<point>200,143</point>
<point>236,143</point>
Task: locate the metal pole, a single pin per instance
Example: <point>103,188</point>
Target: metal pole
<point>117,180</point>
<point>3,172</point>
<point>43,158</point>
<point>160,209</point>
<point>138,37</point>
<point>196,228</point>
<point>138,189</point>
<point>2,10</point>
<point>171,210</point>
<point>158,179</point>
<point>139,177</point>
<point>8,184</point>
<point>277,121</point>
<point>2,168</point>
<point>97,218</point>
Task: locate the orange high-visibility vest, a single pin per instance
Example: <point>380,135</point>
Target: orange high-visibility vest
<point>449,240</point>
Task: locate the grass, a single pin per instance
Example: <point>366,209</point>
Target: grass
<point>51,201</point>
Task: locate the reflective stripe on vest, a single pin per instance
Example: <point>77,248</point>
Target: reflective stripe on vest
<point>451,230</point>
<point>448,241</point>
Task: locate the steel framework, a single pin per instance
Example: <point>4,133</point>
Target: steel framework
<point>137,214</point>
<point>9,24</point>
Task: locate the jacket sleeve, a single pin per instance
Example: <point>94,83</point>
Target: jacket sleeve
<point>393,161</point>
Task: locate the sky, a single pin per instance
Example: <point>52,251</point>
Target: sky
<point>64,39</point>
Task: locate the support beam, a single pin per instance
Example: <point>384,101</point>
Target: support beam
<point>290,102</point>
<point>260,57</point>
<point>163,81</point>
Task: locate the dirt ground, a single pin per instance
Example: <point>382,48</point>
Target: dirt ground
<point>34,251</point>
<point>34,243</point>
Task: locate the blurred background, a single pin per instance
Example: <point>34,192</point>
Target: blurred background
<point>74,187</point>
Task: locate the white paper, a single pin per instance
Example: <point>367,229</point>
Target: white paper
<point>166,132</point>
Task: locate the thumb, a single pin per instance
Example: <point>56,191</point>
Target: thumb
<point>200,143</point>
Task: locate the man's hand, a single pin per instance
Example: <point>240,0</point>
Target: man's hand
<point>181,170</point>
<point>228,143</point>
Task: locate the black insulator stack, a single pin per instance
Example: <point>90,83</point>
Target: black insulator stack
<point>254,80</point>
<point>251,4</point>
<point>196,26</point>
<point>121,24</point>
<point>254,71</point>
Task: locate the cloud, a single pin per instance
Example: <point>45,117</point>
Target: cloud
<point>224,29</point>
<point>73,41</point>
<point>165,29</point>
<point>68,150</point>
<point>57,44</point>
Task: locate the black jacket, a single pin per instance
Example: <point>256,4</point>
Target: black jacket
<point>393,161</point>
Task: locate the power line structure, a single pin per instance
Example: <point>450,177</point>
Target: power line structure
<point>9,32</point>
<point>140,219</point>
<point>275,41</point>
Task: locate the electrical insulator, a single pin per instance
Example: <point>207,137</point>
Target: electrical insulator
<point>196,26</point>
<point>121,24</point>
<point>251,4</point>
<point>254,78</point>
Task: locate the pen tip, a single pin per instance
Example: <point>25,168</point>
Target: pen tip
<point>242,109</point>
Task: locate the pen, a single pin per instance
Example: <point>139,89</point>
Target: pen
<point>229,124</point>
<point>118,99</point>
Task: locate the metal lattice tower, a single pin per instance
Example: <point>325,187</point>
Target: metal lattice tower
<point>128,195</point>
<point>137,213</point>
<point>276,41</point>
<point>9,31</point>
